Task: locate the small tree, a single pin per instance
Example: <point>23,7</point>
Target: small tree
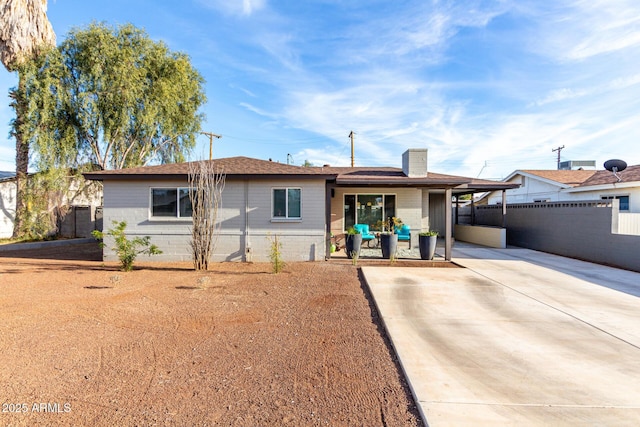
<point>275,254</point>
<point>126,249</point>
<point>206,184</point>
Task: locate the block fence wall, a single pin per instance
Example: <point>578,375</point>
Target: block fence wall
<point>585,230</point>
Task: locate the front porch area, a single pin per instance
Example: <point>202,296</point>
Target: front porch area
<point>403,253</point>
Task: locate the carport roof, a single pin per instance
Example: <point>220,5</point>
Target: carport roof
<point>395,177</point>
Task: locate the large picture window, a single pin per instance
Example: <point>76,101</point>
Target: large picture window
<point>171,203</point>
<point>287,203</point>
<point>370,209</point>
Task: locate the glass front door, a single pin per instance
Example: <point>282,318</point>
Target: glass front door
<point>369,209</point>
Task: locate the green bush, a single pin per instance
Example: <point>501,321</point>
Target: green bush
<point>275,254</point>
<point>127,250</point>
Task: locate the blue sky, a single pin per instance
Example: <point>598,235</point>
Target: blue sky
<point>487,86</point>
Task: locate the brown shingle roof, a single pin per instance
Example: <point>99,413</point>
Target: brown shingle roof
<point>392,176</point>
<point>584,178</point>
<point>231,166</point>
<point>630,174</point>
<point>569,177</point>
<point>246,167</point>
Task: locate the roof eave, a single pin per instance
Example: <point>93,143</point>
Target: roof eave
<point>184,176</point>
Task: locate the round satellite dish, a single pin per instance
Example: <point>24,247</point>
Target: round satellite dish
<point>615,165</point>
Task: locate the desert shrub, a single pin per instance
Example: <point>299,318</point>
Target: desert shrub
<point>275,254</point>
<point>127,250</point>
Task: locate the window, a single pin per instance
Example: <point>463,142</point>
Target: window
<point>624,201</point>
<point>287,203</point>
<point>170,203</point>
<point>368,209</point>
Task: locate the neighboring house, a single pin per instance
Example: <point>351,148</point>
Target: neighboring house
<point>301,205</point>
<point>572,185</point>
<point>7,203</point>
<point>79,222</point>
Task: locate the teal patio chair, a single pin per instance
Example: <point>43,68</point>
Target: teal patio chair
<point>363,229</point>
<point>404,234</point>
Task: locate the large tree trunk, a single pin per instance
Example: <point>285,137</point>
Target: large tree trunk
<point>22,156</point>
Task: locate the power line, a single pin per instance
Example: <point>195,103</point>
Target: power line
<point>211,136</point>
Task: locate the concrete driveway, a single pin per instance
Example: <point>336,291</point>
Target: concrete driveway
<point>517,337</point>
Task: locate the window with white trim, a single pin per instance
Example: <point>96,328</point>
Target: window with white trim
<point>170,203</point>
<point>286,203</point>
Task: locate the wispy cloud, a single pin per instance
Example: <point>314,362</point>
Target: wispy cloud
<point>259,111</point>
<point>485,85</point>
<point>577,30</point>
<point>235,7</point>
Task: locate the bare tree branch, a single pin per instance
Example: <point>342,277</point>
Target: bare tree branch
<point>206,184</point>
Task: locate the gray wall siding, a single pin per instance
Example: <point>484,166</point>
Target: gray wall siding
<point>581,230</point>
<point>245,230</point>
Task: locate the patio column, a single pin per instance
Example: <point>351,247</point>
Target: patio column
<point>328,192</point>
<point>448,227</point>
<point>457,208</point>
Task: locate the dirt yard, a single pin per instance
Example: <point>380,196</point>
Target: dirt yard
<point>82,343</point>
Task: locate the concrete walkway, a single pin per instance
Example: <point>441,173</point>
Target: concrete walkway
<point>518,337</point>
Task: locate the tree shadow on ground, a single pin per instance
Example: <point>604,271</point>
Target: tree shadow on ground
<point>72,252</point>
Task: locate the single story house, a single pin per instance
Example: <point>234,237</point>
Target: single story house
<point>538,186</point>
<point>304,206</point>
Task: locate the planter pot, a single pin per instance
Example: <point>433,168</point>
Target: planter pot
<point>389,244</point>
<point>427,246</point>
<point>353,244</point>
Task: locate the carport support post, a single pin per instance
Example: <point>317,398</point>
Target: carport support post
<point>504,208</point>
<point>447,226</point>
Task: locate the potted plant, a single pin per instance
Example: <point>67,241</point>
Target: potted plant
<point>353,243</point>
<point>427,241</point>
<point>388,237</point>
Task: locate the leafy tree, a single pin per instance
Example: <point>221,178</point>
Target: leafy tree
<point>25,32</point>
<point>114,98</point>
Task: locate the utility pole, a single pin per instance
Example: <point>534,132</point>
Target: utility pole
<point>559,149</point>
<point>351,135</point>
<point>211,136</point>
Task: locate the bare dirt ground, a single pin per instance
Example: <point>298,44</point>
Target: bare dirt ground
<point>82,343</point>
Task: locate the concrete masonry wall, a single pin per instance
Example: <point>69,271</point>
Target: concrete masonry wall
<point>245,221</point>
<point>583,230</point>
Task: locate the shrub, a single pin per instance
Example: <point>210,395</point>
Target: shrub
<point>127,250</point>
<point>275,254</point>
